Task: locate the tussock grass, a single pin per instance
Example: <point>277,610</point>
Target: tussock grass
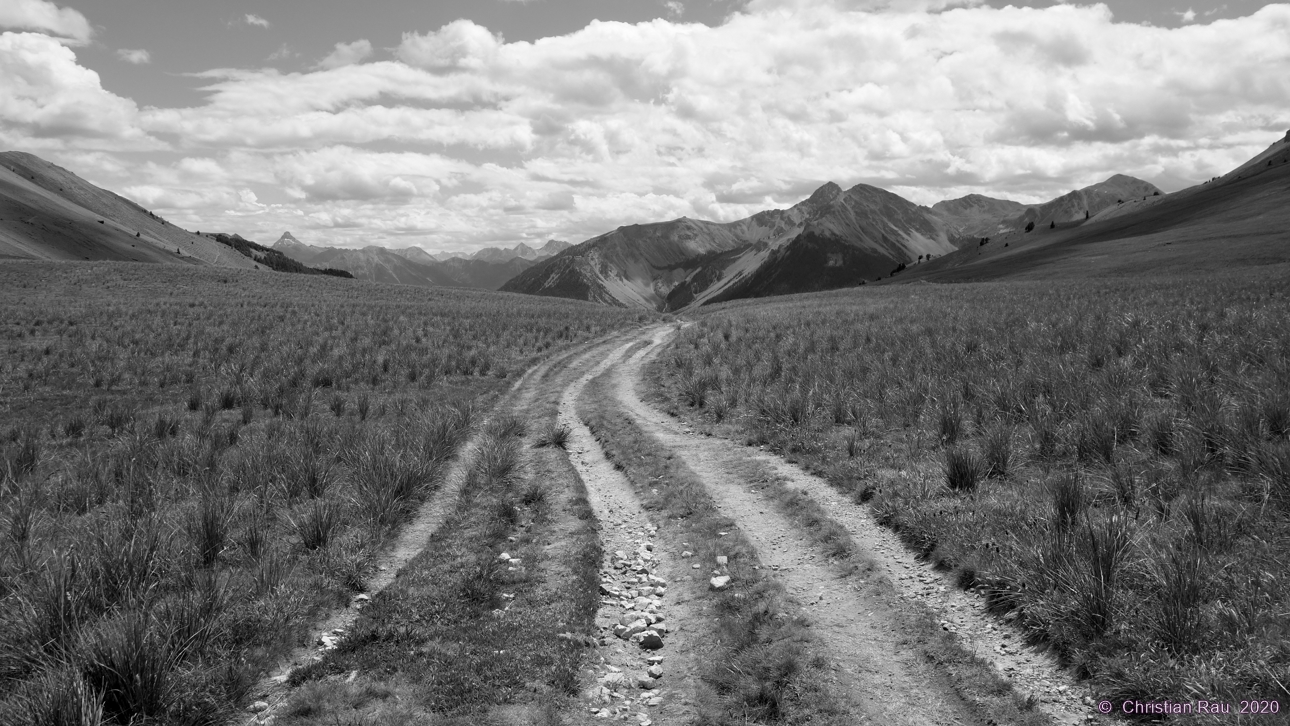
<point>461,631</point>
<point>1147,419</point>
<point>165,429</point>
<point>556,435</point>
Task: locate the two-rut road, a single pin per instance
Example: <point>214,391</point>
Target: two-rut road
<point>863,620</point>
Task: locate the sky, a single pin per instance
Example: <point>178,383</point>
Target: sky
<point>460,124</point>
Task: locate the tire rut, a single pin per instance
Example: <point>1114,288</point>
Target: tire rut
<point>326,633</point>
<point>634,548</point>
<point>861,616</point>
<point>880,675</point>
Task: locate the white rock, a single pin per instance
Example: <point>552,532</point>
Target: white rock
<point>503,557</point>
<point>687,554</point>
<point>722,560</point>
<point>258,707</point>
<point>655,671</point>
<point>719,582</point>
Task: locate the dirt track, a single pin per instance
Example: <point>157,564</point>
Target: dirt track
<point>863,618</point>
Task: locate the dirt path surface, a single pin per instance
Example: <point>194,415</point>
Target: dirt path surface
<point>644,586</point>
<point>861,617</point>
<point>273,690</point>
<point>648,587</point>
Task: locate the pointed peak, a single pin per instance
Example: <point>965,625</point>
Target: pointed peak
<point>825,194</point>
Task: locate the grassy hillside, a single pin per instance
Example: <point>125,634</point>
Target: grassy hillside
<point>49,213</point>
<point>195,462</point>
<point>1236,223</point>
<point>1108,460</point>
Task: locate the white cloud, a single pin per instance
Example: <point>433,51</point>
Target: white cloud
<point>675,8</point>
<point>255,20</point>
<point>467,139</point>
<point>47,94</point>
<point>459,45</point>
<point>343,173</point>
<point>136,57</point>
<point>1187,16</point>
<point>346,54</point>
<point>44,16</point>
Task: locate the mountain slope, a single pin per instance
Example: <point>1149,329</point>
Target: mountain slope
<point>855,234</point>
<point>1085,203</point>
<point>1238,221</point>
<point>483,274</point>
<point>47,212</point>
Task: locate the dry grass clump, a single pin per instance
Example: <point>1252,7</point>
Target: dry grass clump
<point>1130,501</point>
<point>194,463</point>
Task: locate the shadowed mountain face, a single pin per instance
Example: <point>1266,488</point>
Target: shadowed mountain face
<point>49,213</point>
<point>410,266</point>
<point>855,235</point>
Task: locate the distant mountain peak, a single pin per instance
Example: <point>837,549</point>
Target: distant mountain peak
<point>825,194</point>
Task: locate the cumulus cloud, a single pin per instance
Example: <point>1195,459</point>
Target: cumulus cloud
<point>618,123</point>
<point>45,16</point>
<point>255,20</point>
<point>459,45</point>
<point>346,54</point>
<point>136,57</point>
<point>48,94</point>
<point>344,173</point>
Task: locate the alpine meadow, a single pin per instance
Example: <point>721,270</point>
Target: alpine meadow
<point>645,363</point>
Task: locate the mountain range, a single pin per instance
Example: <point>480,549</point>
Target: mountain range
<point>486,269</point>
<point>835,238</point>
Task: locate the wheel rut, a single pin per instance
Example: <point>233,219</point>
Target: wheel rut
<point>642,578</point>
<point>327,631</point>
<point>879,673</point>
<point>861,617</point>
